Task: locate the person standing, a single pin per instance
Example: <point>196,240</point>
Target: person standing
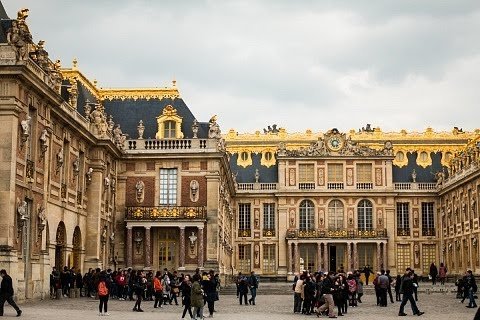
<point>367,271</point>
<point>433,273</point>
<point>158,290</point>
<point>383,283</point>
<point>253,284</point>
<point>243,290</point>
<point>390,283</point>
<point>297,295</point>
<point>139,288</point>
<point>442,273</point>
<point>103,293</point>
<point>6,293</point>
<point>210,287</point>
<point>197,298</point>
<point>186,290</point>
<point>407,286</point>
<point>328,290</point>
<point>470,287</point>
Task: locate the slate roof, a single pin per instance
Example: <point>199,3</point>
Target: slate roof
<point>5,24</point>
<point>404,174</point>
<point>247,175</point>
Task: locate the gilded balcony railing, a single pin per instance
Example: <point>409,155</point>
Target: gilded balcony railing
<point>269,232</point>
<point>336,233</point>
<point>404,232</point>
<point>428,232</point>
<point>165,213</point>
<point>244,232</point>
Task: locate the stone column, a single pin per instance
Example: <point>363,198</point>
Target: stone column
<point>200,247</point>
<point>182,249</point>
<point>289,257</point>
<point>325,256</point>
<point>148,249</point>
<point>355,256</point>
<point>385,250</point>
<point>349,257</point>
<point>296,257</point>
<point>319,256</point>
<point>129,247</point>
<point>379,256</point>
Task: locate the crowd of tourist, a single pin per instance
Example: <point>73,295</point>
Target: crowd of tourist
<point>136,285</point>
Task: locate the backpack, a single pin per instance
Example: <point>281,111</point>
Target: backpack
<point>352,285</point>
<point>102,289</point>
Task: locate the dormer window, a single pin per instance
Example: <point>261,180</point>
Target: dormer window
<point>169,131</point>
<point>169,124</point>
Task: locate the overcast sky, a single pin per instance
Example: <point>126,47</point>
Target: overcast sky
<point>299,64</point>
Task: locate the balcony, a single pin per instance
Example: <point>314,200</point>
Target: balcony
<point>403,232</point>
<point>306,186</point>
<point>170,145</point>
<point>364,185</point>
<point>416,186</point>
<point>335,186</point>
<point>428,232</point>
<point>336,233</point>
<point>244,233</point>
<point>257,187</point>
<point>165,213</point>
<point>269,232</point>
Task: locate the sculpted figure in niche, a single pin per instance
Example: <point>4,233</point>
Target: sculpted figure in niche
<point>89,174</point>
<point>194,190</point>
<point>42,218</point>
<point>60,158</point>
<point>76,166</point>
<point>26,126</point>
<point>22,209</point>
<point>140,187</point>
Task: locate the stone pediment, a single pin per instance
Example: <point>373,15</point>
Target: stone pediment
<point>335,143</point>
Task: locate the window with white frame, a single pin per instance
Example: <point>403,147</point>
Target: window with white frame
<point>365,215</point>
<point>307,215</point>
<point>269,259</point>
<point>428,222</point>
<point>335,214</point>
<point>168,187</point>
<point>269,216</point>
<point>244,212</point>
<point>403,221</point>
<point>169,129</point>
<point>244,258</point>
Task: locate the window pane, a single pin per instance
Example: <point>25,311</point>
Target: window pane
<point>244,216</point>
<point>335,214</point>
<point>306,173</point>
<point>307,215</point>
<point>365,213</point>
<point>364,172</point>
<point>168,187</point>
<point>335,172</point>
<point>269,216</point>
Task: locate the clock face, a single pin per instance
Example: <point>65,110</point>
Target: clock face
<point>335,143</point>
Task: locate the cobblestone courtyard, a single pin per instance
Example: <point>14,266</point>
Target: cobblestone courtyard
<point>436,306</point>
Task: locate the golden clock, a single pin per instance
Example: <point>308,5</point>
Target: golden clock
<point>335,143</point>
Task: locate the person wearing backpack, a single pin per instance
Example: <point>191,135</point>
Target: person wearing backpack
<point>103,293</point>
<point>352,289</point>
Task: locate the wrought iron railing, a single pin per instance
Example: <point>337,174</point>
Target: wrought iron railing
<point>404,232</point>
<point>337,233</point>
<point>428,232</point>
<point>165,213</point>
<point>269,232</point>
<point>244,232</point>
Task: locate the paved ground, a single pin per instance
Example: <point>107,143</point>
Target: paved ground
<point>436,306</point>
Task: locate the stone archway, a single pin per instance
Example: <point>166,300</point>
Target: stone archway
<point>60,242</point>
<point>77,248</point>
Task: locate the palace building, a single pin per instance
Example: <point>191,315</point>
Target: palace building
<point>117,178</point>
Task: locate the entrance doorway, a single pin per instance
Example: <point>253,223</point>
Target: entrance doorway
<point>336,257</point>
<point>308,257</point>
<point>167,249</point>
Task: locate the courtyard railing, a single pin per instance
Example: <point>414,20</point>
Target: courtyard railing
<point>337,233</point>
<point>165,213</point>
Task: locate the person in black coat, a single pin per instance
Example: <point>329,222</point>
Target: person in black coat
<point>6,293</point>
<point>407,288</point>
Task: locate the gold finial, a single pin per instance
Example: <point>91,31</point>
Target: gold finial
<point>74,63</point>
<point>95,82</point>
<point>174,83</point>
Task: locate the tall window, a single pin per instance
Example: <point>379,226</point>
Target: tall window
<point>428,223</point>
<point>307,215</point>
<point>269,259</point>
<point>364,213</point>
<point>244,258</point>
<point>335,214</point>
<point>429,253</point>
<point>269,216</point>
<point>244,216</point>
<point>335,172</point>
<point>169,129</point>
<point>168,187</point>
<point>364,172</point>
<point>403,223</point>
<point>306,173</point>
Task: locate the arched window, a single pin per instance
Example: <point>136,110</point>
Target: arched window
<point>307,215</point>
<point>364,214</point>
<point>169,129</point>
<point>335,214</point>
